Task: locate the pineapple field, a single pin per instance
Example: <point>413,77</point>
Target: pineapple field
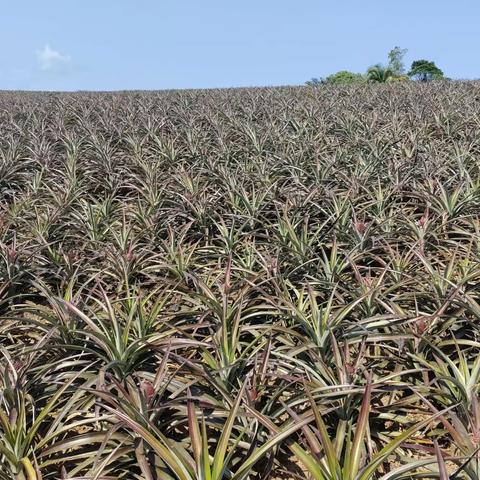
<point>263,283</point>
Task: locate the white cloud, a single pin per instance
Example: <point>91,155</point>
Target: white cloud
<point>50,59</point>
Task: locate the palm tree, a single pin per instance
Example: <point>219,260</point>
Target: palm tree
<point>379,74</point>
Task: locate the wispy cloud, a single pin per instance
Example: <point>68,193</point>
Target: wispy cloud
<point>50,59</point>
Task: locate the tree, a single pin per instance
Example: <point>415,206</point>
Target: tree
<point>395,61</point>
<point>314,82</point>
<point>379,74</point>
<point>424,71</point>
<point>345,77</point>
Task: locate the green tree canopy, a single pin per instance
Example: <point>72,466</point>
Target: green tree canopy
<point>379,74</point>
<point>424,71</point>
<point>345,77</point>
<point>395,61</point>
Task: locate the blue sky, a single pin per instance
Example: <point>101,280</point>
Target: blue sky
<point>147,44</point>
